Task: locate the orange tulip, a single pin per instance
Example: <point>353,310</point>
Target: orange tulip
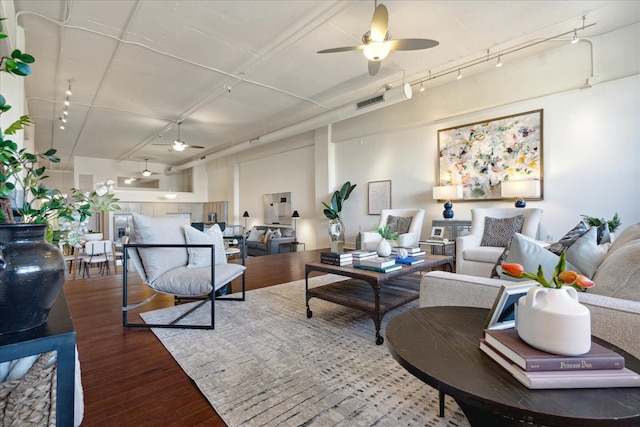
<point>584,282</point>
<point>512,269</point>
<point>569,277</point>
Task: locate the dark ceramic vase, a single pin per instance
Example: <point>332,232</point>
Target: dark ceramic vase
<point>31,276</point>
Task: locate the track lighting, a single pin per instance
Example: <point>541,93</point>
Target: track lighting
<point>69,93</point>
<point>499,63</point>
<point>65,112</point>
<point>575,38</point>
<point>67,102</point>
<point>63,119</point>
<point>62,127</point>
<point>459,74</point>
<point>421,87</point>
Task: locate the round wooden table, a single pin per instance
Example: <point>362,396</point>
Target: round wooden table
<point>439,345</point>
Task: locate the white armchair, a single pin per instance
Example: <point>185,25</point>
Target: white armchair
<point>476,260</point>
<point>369,239</point>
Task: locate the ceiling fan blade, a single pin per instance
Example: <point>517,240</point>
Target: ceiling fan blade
<point>379,23</point>
<point>197,147</point>
<point>412,44</point>
<point>374,66</point>
<point>341,49</point>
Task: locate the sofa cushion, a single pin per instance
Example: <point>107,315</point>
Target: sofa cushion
<point>619,274</point>
<point>569,238</point>
<point>399,224</point>
<point>499,231</point>
<point>287,232</point>
<point>254,234</point>
<point>586,254</point>
<point>201,257</point>
<point>628,234</point>
<point>160,230</point>
<point>530,255</point>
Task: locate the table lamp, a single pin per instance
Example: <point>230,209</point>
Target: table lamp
<point>245,215</point>
<point>446,193</point>
<point>519,190</point>
<point>295,217</point>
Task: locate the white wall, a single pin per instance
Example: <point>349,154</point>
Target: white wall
<point>591,153</point>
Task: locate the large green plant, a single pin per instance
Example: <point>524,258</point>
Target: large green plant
<point>337,200</point>
<point>613,223</point>
<point>21,177</point>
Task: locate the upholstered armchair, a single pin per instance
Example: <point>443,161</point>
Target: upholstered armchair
<point>409,235</point>
<point>491,230</point>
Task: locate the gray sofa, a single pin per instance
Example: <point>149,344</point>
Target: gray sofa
<point>272,245</point>
<point>614,301</point>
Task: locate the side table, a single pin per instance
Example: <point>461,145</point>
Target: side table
<point>449,247</point>
<point>293,246</point>
<point>57,334</point>
<point>452,230</point>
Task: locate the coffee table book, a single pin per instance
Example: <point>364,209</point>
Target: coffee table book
<point>410,260</point>
<point>334,258</point>
<point>508,343</point>
<point>388,269</point>
<point>593,378</point>
<point>380,262</point>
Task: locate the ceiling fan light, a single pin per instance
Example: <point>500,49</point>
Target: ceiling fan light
<point>178,145</point>
<point>376,51</point>
<point>146,172</point>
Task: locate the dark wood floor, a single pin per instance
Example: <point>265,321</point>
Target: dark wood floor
<point>129,378</point>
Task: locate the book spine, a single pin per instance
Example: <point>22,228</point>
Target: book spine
<point>334,262</point>
<point>573,365</point>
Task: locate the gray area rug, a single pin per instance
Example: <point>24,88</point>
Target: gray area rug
<point>266,364</point>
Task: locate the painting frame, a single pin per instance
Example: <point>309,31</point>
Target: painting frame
<point>504,311</point>
<point>379,196</point>
<point>482,154</point>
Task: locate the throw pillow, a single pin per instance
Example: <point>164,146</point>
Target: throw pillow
<point>499,231</point>
<point>267,235</point>
<point>568,239</point>
<point>160,230</point>
<point>254,234</point>
<point>262,238</point>
<point>503,257</point>
<point>529,254</point>
<point>201,257</point>
<point>276,234</point>
<point>399,224</point>
<point>586,254</point>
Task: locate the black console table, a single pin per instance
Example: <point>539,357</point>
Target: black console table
<point>57,334</point>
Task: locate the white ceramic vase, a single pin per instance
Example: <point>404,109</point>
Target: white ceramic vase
<point>553,320</point>
<point>384,248</point>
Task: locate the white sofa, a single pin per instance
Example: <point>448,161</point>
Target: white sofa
<point>476,260</point>
<point>369,239</point>
<point>614,301</point>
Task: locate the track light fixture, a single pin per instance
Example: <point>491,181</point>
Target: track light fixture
<point>69,93</point>
<point>67,101</point>
<point>498,55</point>
<point>421,87</point>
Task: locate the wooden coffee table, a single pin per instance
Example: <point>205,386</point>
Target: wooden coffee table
<point>373,293</point>
<point>439,345</point>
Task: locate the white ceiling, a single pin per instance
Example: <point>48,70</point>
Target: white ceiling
<point>139,67</point>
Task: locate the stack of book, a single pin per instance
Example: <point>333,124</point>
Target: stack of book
<point>536,369</point>
<point>379,264</point>
<point>335,258</point>
<point>412,252</point>
<point>361,254</point>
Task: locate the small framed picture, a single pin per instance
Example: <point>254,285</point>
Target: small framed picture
<point>504,310</point>
<point>437,232</point>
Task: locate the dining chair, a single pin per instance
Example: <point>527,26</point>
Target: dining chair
<point>96,253</point>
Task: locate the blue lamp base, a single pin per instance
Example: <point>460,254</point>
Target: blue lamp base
<point>520,203</point>
<point>448,212</point>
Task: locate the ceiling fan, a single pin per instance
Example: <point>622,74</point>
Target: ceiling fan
<point>146,172</point>
<point>377,41</point>
<point>178,144</point>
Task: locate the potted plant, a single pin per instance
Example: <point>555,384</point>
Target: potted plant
<point>611,224</point>
<point>333,211</point>
<point>384,247</point>
<point>31,269</point>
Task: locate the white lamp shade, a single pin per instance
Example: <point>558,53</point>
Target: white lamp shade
<point>513,189</point>
<point>447,192</point>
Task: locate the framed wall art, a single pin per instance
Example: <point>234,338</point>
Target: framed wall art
<point>504,311</point>
<point>379,196</point>
<point>482,155</point>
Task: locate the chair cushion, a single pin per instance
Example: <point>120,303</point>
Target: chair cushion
<point>160,230</point>
<point>196,281</point>
<point>499,231</point>
<point>399,224</point>
<point>201,257</point>
<point>488,254</point>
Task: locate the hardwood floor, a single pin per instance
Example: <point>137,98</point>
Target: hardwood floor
<point>129,379</point>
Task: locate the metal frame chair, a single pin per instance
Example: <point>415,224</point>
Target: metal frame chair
<point>210,297</point>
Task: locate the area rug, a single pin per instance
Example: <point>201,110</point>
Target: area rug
<point>266,364</point>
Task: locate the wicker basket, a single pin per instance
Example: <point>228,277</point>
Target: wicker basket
<point>31,400</point>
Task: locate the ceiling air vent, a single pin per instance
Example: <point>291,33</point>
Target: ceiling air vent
<point>370,102</point>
